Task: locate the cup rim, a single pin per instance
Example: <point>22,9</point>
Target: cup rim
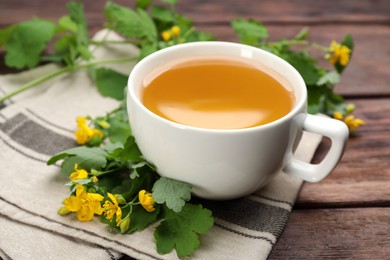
<point>131,94</point>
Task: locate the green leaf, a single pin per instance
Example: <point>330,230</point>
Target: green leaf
<point>148,26</point>
<point>131,151</point>
<point>66,23</point>
<point>110,83</point>
<point>111,149</point>
<point>181,230</point>
<point>315,98</point>
<point>86,157</point>
<point>147,48</point>
<point>112,180</point>
<point>141,219</point>
<point>330,78</point>
<point>249,31</point>
<point>67,166</point>
<point>348,41</point>
<point>123,20</point>
<point>5,34</point>
<point>171,192</point>
<point>95,141</point>
<point>119,131</point>
<point>130,187</point>
<point>76,12</point>
<point>305,65</point>
<point>171,2</point>
<point>302,34</point>
<point>162,14</point>
<point>143,3</point>
<point>26,41</point>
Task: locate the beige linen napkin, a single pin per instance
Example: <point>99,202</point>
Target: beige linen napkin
<point>39,123</point>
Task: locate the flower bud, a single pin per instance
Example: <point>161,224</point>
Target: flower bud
<point>103,124</point>
<point>91,190</point>
<point>350,108</point>
<point>95,172</point>
<point>94,179</point>
<point>120,199</point>
<point>63,210</point>
<point>124,224</point>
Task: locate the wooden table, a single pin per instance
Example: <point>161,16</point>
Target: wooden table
<point>348,214</point>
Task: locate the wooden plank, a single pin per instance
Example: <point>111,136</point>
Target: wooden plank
<point>335,234</point>
<point>362,177</point>
<point>12,11</point>
<point>217,11</point>
<point>286,11</point>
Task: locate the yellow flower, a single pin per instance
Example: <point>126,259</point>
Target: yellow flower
<point>84,133</point>
<point>339,53</point>
<point>352,122</point>
<point>166,35</point>
<point>175,30</point>
<point>84,203</point>
<point>94,179</point>
<point>146,200</point>
<point>111,208</point>
<point>78,174</point>
<point>337,115</point>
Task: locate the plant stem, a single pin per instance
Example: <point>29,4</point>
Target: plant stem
<point>102,173</point>
<point>102,62</point>
<point>135,41</point>
<point>35,82</point>
<point>300,42</point>
<point>56,73</point>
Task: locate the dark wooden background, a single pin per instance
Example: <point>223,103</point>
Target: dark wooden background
<point>348,214</point>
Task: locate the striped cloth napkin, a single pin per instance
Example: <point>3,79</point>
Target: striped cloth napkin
<point>40,123</point>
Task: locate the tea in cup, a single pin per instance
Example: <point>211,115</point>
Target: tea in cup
<point>225,118</point>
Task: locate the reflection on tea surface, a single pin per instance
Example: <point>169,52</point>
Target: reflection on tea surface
<point>217,94</point>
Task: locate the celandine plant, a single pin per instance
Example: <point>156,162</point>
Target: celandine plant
<point>108,176</point>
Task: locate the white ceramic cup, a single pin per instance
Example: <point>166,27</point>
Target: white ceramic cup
<point>227,164</point>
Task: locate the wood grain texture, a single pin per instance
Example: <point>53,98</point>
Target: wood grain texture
<point>335,234</point>
<point>287,11</point>
<point>363,176</point>
<point>220,11</point>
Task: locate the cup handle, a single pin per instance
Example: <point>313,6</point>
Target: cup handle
<point>337,131</point>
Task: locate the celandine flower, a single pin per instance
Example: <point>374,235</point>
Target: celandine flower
<point>166,36</point>
<point>94,179</point>
<point>339,53</point>
<point>84,132</point>
<point>352,122</point>
<point>169,34</point>
<point>84,203</point>
<point>111,208</point>
<point>337,115</point>
<point>175,30</point>
<point>78,174</point>
<point>146,200</point>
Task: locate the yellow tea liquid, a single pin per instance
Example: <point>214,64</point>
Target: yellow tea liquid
<point>216,94</point>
